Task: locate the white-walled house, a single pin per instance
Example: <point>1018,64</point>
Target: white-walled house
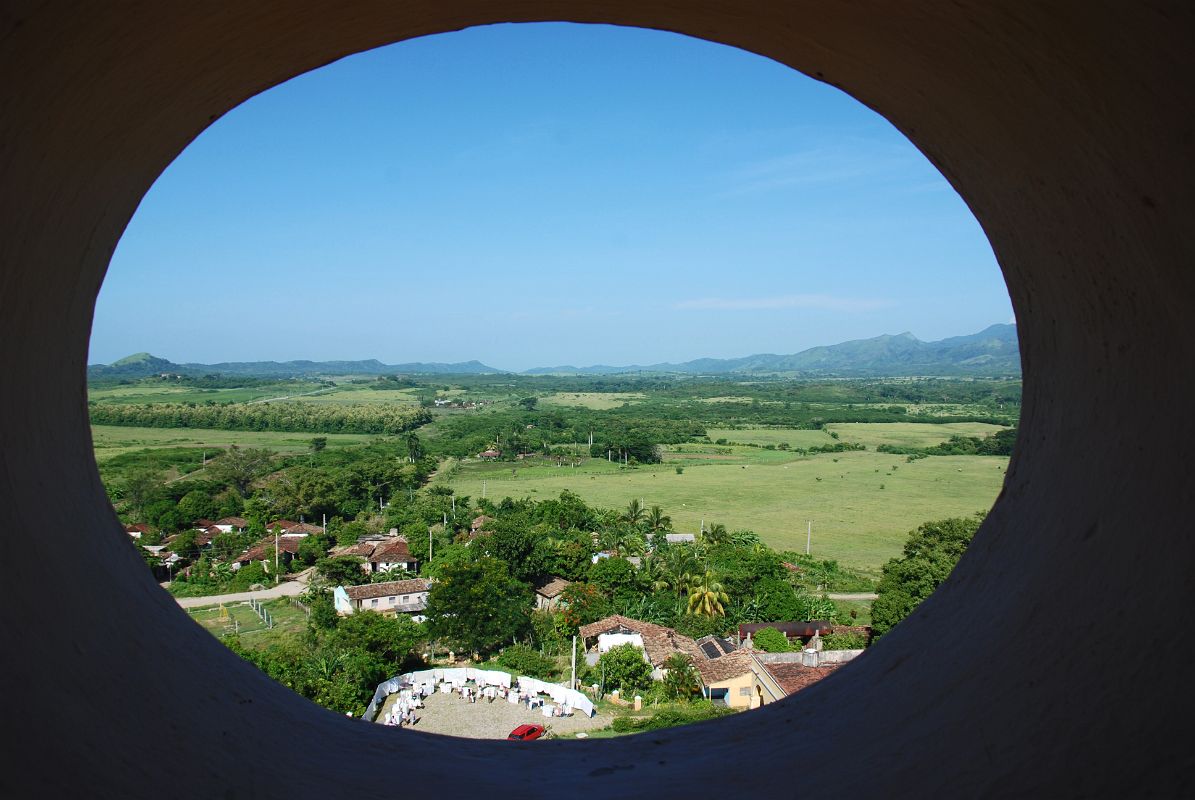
<point>390,597</point>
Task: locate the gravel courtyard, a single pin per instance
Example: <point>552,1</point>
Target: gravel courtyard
<point>449,714</point>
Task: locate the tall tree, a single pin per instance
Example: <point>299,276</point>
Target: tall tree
<point>707,597</point>
<point>477,607</point>
<point>930,554</point>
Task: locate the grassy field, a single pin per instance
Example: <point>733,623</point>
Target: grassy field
<point>111,440</point>
<point>288,622</point>
<point>908,434</point>
<point>597,401</point>
<point>774,436</point>
<point>863,504</point>
<point>186,394</point>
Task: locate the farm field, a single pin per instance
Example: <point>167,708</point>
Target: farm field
<point>863,504</point>
<point>141,393</point>
<point>792,436</point>
<point>596,401</point>
<point>113,440</point>
<point>908,434</point>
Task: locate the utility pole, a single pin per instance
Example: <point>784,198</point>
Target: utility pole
<point>277,578</point>
<point>429,544</point>
<point>572,684</point>
<point>483,489</point>
<point>808,535</point>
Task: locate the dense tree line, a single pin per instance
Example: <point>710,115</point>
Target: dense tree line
<point>930,555</point>
<point>999,443</point>
<point>278,416</point>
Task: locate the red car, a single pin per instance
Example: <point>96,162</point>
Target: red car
<point>525,733</point>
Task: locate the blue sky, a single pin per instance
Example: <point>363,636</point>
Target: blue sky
<point>532,195</point>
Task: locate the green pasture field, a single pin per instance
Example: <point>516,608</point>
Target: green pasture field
<point>113,440</point>
<point>862,509</point>
<point>597,401</point>
<point>355,394</point>
<point>908,434</point>
<point>187,394</point>
<point>761,436</point>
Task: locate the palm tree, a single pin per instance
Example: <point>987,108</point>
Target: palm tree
<point>621,539</point>
<point>715,534</point>
<point>708,597</point>
<point>634,513</point>
<point>657,521</point>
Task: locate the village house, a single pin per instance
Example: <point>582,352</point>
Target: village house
<point>390,554</point>
<point>137,531</point>
<point>735,675</point>
<point>390,597</point>
<point>490,454</point>
<point>479,523</point>
<point>263,551</point>
<point>656,641</point>
<point>381,554</point>
<point>547,594</point>
<point>230,524</point>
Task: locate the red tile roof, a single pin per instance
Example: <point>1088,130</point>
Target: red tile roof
<point>236,522</point>
<point>387,589</point>
<point>552,588</point>
<point>659,642</point>
<point>793,677</point>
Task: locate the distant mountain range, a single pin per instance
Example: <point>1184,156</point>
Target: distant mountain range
<point>141,365</point>
<point>991,352</point>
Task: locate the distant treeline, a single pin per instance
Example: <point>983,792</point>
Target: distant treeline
<point>535,431</point>
<point>282,416</point>
<point>998,444</point>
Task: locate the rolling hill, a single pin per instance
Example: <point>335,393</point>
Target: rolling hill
<point>989,353</point>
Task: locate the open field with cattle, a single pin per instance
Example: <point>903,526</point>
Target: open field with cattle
<point>863,504</point>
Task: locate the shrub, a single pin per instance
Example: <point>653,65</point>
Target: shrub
<point>771,640</point>
<point>844,641</point>
<point>624,668</point>
<point>670,717</point>
<point>523,660</point>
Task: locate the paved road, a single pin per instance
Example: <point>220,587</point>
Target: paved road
<point>852,596</point>
<point>288,589</point>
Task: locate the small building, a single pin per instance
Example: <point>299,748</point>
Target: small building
<point>390,597</point>
<point>390,554</point>
<point>779,675</point>
<point>657,641</point>
<point>479,523</point>
<point>547,594</point>
<point>793,631</point>
<point>263,551</point>
<point>681,538</point>
<point>490,454</point>
<point>230,524</point>
<point>137,531</point>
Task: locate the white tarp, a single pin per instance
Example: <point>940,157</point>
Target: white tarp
<point>608,640</point>
<point>559,694</point>
<point>431,677</point>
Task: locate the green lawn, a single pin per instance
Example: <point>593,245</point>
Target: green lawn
<point>288,622</point>
<point>113,440</point>
<point>862,509</point>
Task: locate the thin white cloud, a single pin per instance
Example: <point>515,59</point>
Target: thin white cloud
<point>837,163</point>
<point>823,302</point>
